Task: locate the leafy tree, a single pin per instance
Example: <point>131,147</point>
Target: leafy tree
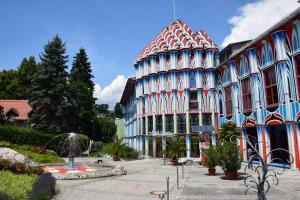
<point>118,110</point>
<point>105,130</point>
<point>8,83</point>
<point>81,88</point>
<point>102,108</point>
<point>27,71</point>
<point>49,96</point>
<point>15,84</point>
<point>2,116</point>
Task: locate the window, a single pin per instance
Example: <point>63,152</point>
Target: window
<point>271,87</point>
<point>169,123</point>
<point>194,120</point>
<point>144,126</point>
<point>181,124</point>
<point>193,104</point>
<point>246,94</point>
<point>221,107</point>
<point>206,119</point>
<point>150,124</point>
<point>192,80</point>
<point>297,66</point>
<point>228,101</point>
<point>159,123</point>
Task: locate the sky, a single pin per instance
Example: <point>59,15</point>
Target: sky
<point>113,32</point>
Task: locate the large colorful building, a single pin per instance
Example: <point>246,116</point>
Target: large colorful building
<point>182,88</point>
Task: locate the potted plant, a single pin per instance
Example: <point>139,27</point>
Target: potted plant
<point>230,160</point>
<point>173,150</point>
<point>229,132</point>
<point>212,159</point>
<point>116,149</point>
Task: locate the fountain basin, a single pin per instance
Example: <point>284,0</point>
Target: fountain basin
<point>85,171</point>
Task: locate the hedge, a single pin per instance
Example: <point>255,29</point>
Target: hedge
<point>34,137</point>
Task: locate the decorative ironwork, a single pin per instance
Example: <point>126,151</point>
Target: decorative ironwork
<point>259,175</point>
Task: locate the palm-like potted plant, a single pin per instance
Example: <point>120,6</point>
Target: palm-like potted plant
<point>117,145</point>
<point>173,150</point>
<point>212,159</point>
<point>230,160</point>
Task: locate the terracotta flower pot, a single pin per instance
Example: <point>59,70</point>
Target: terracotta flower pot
<point>230,175</point>
<point>204,157</point>
<point>174,162</point>
<point>211,172</point>
<point>116,158</point>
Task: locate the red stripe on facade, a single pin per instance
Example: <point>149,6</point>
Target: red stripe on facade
<point>264,143</point>
<point>241,147</point>
<point>297,159</point>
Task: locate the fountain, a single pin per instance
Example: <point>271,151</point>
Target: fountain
<point>70,147</point>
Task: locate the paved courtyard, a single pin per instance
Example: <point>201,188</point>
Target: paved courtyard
<point>145,176</point>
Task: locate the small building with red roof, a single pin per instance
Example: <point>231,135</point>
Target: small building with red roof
<point>16,111</point>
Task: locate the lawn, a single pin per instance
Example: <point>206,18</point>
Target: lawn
<point>32,153</point>
<point>15,187</point>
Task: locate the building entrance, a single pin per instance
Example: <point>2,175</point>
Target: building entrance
<point>279,139</point>
<point>253,138</point>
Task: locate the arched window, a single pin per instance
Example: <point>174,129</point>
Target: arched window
<point>244,67</point>
<point>246,94</point>
<point>267,55</point>
<point>228,100</point>
<point>271,87</point>
<point>296,37</point>
<point>220,107</point>
<point>226,77</point>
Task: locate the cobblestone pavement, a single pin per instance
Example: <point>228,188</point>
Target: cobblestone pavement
<point>145,176</point>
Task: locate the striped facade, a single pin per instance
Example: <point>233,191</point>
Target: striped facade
<point>180,83</point>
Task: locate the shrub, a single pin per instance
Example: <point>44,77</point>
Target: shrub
<point>50,156</point>
<point>128,152</point>
<point>97,146</point>
<point>124,151</point>
<point>15,187</point>
<point>212,157</point>
<point>29,136</point>
<point>19,168</point>
<point>43,188</point>
<point>108,149</point>
<point>229,156</point>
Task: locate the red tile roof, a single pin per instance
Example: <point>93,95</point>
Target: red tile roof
<point>175,37</point>
<point>21,106</point>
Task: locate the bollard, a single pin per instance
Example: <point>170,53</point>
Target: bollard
<point>168,188</point>
<point>177,177</point>
<point>182,171</point>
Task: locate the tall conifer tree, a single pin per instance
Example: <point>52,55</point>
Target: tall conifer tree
<point>82,88</point>
<point>49,95</point>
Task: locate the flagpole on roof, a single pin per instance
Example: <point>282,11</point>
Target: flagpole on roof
<point>174,10</point>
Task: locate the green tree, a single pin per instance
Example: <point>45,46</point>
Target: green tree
<point>27,71</point>
<point>81,70</point>
<point>83,103</point>
<point>105,130</point>
<point>118,110</point>
<point>8,84</point>
<point>82,88</point>
<point>102,108</point>
<point>49,96</point>
<point>2,115</point>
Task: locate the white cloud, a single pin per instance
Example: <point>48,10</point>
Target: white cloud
<point>112,93</point>
<point>256,17</point>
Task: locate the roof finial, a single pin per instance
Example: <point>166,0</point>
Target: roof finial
<point>174,10</point>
